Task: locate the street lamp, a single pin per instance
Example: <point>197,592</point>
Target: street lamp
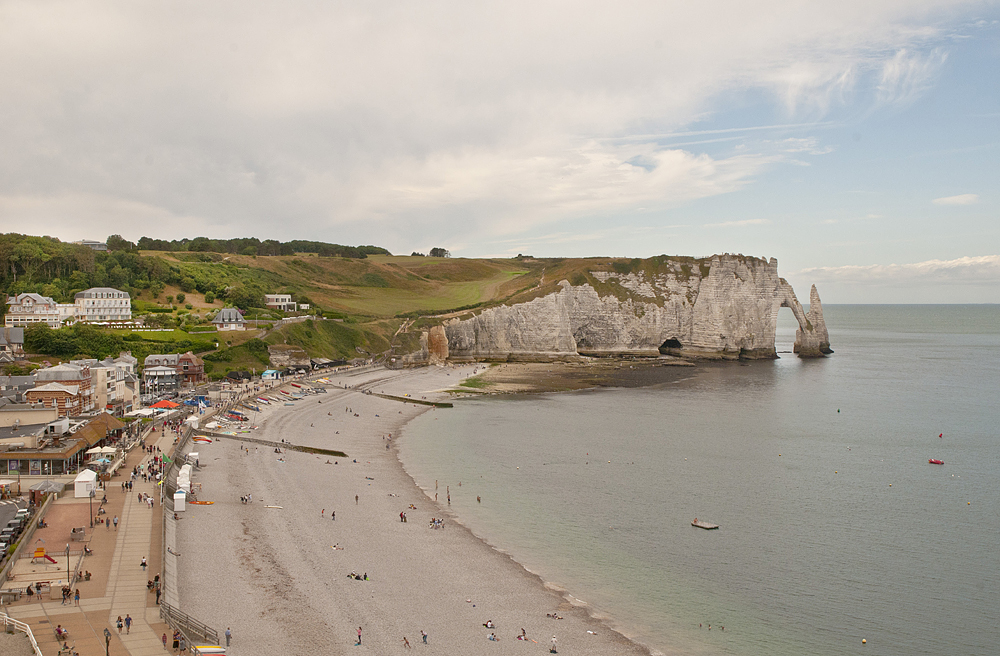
<point>93,493</point>
<point>107,641</point>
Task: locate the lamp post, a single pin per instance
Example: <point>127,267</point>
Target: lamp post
<point>93,493</point>
<point>107,641</point>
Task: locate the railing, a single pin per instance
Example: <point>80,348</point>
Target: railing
<point>188,625</point>
<point>26,537</point>
<point>21,626</point>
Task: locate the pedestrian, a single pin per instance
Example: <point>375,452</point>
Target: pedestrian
<point>144,563</point>
<point>76,597</point>
<point>406,643</point>
<point>28,591</point>
<point>119,623</point>
<point>107,525</point>
<point>128,623</point>
<point>116,522</point>
<point>359,635</point>
<point>164,639</point>
<point>355,499</point>
<point>552,649</point>
<point>333,515</point>
<point>229,636</point>
<point>423,636</point>
<point>176,642</point>
<point>182,644</point>
<point>157,596</point>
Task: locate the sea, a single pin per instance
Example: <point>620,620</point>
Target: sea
<point>837,536</point>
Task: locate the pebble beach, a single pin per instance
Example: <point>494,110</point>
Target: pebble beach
<point>276,571</point>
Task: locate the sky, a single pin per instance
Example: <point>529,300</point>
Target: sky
<point>856,142</point>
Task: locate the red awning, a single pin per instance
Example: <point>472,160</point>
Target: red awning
<point>170,405</point>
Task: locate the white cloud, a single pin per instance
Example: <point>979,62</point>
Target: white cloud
<point>961,199</point>
<point>983,269</point>
<point>738,224</point>
<point>403,120</point>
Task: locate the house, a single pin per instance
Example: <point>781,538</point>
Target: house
<point>69,375</point>
<point>14,388</point>
<point>108,386</point>
<point>229,319</point>
<point>28,309</point>
<point>67,399</point>
<point>12,342</point>
<point>53,449</point>
<point>188,368</point>
<point>90,243</point>
<point>159,378</point>
<point>281,302</point>
<point>103,304</point>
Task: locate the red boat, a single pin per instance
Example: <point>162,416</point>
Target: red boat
<point>935,461</point>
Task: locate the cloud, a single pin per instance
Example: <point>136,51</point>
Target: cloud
<point>961,199</point>
<point>411,122</point>
<point>977,270</point>
<point>738,224</point>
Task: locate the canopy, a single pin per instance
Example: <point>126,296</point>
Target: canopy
<point>108,449</point>
<point>96,449</point>
<point>165,404</point>
<point>6,482</point>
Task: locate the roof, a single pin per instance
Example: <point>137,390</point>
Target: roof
<point>86,475</point>
<point>37,298</point>
<point>60,372</point>
<point>109,422</point>
<point>12,336</point>
<point>229,315</point>
<point>89,293</point>
<point>170,405</point>
<point>168,358</point>
<point>72,390</point>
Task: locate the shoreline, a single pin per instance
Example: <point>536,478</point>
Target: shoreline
<point>584,374</point>
<point>465,566</point>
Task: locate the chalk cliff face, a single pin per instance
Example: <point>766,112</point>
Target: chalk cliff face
<point>725,306</point>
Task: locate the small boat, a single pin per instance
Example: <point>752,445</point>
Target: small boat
<point>935,461</point>
<point>705,525</point>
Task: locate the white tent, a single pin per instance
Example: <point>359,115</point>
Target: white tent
<point>85,482</point>
<point>108,450</point>
<point>96,449</point>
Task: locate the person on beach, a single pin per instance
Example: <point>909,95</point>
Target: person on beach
<point>359,635</point>
<point>229,636</point>
<point>423,636</point>
<point>552,649</point>
<point>406,643</point>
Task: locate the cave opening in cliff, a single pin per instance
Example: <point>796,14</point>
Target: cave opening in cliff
<point>671,344</point>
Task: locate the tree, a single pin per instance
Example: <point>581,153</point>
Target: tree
<point>440,252</point>
<point>209,297</point>
<point>180,298</point>
<point>118,243</point>
<point>416,254</point>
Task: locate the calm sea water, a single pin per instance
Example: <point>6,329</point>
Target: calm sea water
<point>834,526</point>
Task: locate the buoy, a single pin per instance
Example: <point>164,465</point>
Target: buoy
<point>890,484</point>
<point>863,641</point>
<point>834,472</point>
<point>969,503</point>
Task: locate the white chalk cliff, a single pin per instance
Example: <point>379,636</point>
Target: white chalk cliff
<point>725,306</point>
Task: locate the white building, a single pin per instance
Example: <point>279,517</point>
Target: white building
<point>281,302</point>
<point>28,309</point>
<point>103,304</point>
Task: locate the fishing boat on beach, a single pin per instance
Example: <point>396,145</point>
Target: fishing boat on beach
<point>935,461</point>
<point>705,525</point>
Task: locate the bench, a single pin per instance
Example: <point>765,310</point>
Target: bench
<point>78,534</point>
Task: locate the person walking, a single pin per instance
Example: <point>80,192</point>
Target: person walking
<point>229,636</point>
<point>76,597</point>
<point>119,623</point>
<point>423,636</point>
<point>144,563</point>
<point>355,499</point>
<point>116,522</point>
<point>164,640</point>
<point>359,635</point>
<point>128,623</point>
<point>552,649</point>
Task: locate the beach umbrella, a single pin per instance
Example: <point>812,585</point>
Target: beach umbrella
<point>96,449</point>
<point>108,449</point>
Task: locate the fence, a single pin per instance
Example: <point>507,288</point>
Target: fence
<point>26,538</point>
<point>189,626</point>
<point>20,626</point>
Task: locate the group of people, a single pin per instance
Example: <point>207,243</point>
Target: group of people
<point>437,522</point>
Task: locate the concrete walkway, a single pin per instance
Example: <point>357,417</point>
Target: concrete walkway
<point>138,536</point>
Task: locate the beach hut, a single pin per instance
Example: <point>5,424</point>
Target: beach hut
<point>84,483</point>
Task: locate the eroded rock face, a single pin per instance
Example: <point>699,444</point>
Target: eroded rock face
<point>725,308</point>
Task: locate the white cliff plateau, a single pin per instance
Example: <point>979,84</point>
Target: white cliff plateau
<point>724,306</point>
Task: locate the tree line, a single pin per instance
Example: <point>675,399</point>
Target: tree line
<point>246,246</point>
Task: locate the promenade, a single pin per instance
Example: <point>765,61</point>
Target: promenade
<point>118,583</point>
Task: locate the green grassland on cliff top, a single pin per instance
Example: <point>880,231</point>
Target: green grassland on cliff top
<point>374,306</point>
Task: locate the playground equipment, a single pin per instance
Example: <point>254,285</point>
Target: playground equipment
<point>40,553</point>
